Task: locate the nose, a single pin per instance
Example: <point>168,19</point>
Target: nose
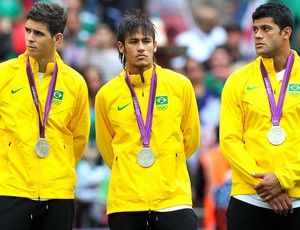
<point>30,36</point>
<point>258,34</point>
<point>140,46</point>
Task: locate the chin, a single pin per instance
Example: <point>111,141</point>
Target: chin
<point>265,56</point>
<point>32,55</point>
<point>262,54</point>
<point>142,65</point>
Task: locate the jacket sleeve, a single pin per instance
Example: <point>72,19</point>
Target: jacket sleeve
<point>190,124</point>
<point>80,124</point>
<point>289,175</point>
<point>231,133</point>
<point>104,131</point>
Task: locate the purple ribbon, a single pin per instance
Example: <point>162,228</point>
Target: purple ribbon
<point>145,130</point>
<point>276,111</point>
<point>35,95</point>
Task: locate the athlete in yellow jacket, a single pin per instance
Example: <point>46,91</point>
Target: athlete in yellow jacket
<point>44,128</point>
<point>149,181</point>
<point>259,128</point>
<point>23,173</point>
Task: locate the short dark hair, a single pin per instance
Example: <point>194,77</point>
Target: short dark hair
<point>280,13</point>
<point>130,24</point>
<point>52,14</point>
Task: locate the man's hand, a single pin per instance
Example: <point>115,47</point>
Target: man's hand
<point>281,204</point>
<point>269,187</point>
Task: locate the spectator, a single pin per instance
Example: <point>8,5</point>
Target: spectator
<point>73,49</point>
<point>217,173</point>
<point>112,11</point>
<point>208,109</point>
<point>205,36</point>
<point>91,190</point>
<point>219,69</point>
<point>81,25</point>
<point>92,174</point>
<point>6,51</point>
<point>234,42</point>
<point>103,53</point>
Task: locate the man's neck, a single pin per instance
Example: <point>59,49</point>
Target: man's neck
<point>43,65</point>
<point>280,61</point>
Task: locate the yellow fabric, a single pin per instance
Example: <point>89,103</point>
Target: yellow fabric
<point>23,173</point>
<point>175,136</point>
<point>246,120</point>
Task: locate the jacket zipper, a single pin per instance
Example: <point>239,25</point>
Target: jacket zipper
<point>143,87</point>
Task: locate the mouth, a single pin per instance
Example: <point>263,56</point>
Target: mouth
<point>141,56</point>
<point>259,44</point>
<point>30,47</point>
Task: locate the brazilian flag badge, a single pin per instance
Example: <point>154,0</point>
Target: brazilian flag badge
<point>294,87</point>
<point>161,102</point>
<point>58,96</point>
<point>294,90</point>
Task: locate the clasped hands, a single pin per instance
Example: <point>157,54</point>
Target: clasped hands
<point>270,190</point>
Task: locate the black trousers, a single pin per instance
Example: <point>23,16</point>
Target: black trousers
<point>24,214</point>
<point>244,216</point>
<point>184,219</point>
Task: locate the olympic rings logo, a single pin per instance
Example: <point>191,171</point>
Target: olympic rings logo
<point>161,107</point>
<point>294,94</point>
<point>56,102</point>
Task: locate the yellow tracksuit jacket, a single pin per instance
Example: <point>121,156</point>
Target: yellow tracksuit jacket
<point>22,172</point>
<point>246,120</point>
<point>175,136</point>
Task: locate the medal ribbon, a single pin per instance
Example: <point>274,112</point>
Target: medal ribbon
<point>35,95</point>
<point>277,111</point>
<point>145,131</point>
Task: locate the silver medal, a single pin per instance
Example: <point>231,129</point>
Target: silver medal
<point>42,148</point>
<point>145,157</point>
<point>276,135</point>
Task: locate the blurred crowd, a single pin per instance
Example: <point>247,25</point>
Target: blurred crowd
<point>204,40</point>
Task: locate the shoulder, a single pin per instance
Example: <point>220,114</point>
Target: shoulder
<point>70,74</point>
<point>297,60</point>
<point>237,81</point>
<point>244,73</point>
<point>11,64</point>
<point>114,86</point>
<point>11,68</point>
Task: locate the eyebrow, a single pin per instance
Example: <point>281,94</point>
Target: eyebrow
<point>141,38</point>
<point>35,30</point>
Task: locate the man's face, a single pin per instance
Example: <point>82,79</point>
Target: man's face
<point>139,50</point>
<point>267,37</point>
<point>39,43</point>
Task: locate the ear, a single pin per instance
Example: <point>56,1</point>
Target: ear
<point>154,46</point>
<point>287,32</point>
<point>121,47</point>
<point>58,38</point>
